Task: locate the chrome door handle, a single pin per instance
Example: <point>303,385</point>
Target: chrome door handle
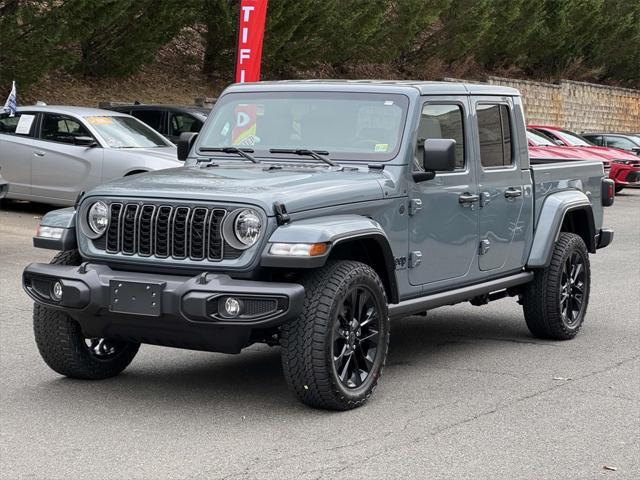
<point>467,199</point>
<point>38,153</point>
<point>512,192</point>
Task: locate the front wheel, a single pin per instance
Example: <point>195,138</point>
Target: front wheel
<point>555,302</point>
<point>66,350</point>
<point>334,352</point>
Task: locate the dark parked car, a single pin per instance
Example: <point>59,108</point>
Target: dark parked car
<point>169,120</point>
<point>623,141</point>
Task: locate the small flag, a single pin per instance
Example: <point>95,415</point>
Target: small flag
<point>12,101</point>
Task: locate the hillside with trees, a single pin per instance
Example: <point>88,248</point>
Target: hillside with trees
<point>62,48</point>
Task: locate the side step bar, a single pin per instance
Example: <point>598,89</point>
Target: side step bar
<point>420,304</point>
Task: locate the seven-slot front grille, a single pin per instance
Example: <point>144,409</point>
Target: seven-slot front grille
<point>166,231</point>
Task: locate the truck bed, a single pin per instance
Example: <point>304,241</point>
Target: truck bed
<point>549,177</point>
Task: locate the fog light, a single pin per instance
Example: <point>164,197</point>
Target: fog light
<point>232,307</point>
<point>56,291</point>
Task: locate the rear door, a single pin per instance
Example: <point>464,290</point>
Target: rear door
<point>180,122</point>
<point>156,119</point>
<point>16,150</point>
<point>500,181</point>
<point>61,169</point>
<point>443,222</point>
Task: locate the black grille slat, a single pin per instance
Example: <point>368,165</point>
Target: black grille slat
<point>198,233</point>
<point>145,230</point>
<point>113,233</point>
<point>216,247</point>
<point>165,231</point>
<point>179,232</point>
<point>128,228</point>
<point>162,231</point>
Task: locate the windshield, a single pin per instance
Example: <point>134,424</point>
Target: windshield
<point>539,139</point>
<point>349,126</point>
<point>575,140</point>
<point>126,132</point>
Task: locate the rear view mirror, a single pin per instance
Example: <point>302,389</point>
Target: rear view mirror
<point>85,141</point>
<point>438,155</point>
<point>185,142</point>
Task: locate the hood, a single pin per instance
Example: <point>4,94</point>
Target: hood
<point>547,152</point>
<point>613,153</point>
<point>299,188</point>
<point>158,153</point>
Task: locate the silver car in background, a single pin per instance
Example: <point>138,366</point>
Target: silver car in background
<point>51,154</point>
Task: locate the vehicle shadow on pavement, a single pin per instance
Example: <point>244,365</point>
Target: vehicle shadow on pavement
<point>32,208</point>
<point>162,378</point>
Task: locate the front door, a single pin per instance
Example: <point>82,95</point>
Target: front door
<point>499,183</point>
<point>61,169</point>
<point>443,237</point>
<point>16,150</point>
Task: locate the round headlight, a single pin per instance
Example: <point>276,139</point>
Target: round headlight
<point>98,218</point>
<point>247,227</point>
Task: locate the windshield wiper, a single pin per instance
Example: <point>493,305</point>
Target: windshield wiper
<point>243,152</point>
<point>317,154</point>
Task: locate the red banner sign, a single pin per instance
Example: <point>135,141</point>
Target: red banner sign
<point>250,35</point>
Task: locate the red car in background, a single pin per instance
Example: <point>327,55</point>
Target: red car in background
<point>623,167</point>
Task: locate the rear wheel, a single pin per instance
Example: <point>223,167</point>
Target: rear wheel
<point>334,352</point>
<point>66,350</point>
<point>555,302</point>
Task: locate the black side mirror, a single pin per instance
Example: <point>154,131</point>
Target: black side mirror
<point>85,141</point>
<point>439,155</point>
<point>185,142</point>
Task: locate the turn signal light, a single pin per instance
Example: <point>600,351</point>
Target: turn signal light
<point>298,249</point>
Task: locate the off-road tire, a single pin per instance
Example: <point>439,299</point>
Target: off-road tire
<point>307,357</point>
<point>62,344</point>
<point>541,298</point>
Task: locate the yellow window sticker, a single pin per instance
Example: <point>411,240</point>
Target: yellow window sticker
<point>382,147</point>
<point>99,120</point>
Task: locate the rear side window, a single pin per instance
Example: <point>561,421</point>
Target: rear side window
<point>620,142</point>
<point>181,123</point>
<point>153,118</point>
<point>62,128</point>
<point>20,124</point>
<point>494,129</point>
<point>596,139</point>
<point>441,121</point>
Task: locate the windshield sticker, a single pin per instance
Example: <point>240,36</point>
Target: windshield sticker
<point>24,124</point>
<point>381,147</point>
<point>99,120</point>
<point>244,132</point>
<point>388,102</point>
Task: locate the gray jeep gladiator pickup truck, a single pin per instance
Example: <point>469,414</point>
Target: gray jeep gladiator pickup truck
<point>310,214</point>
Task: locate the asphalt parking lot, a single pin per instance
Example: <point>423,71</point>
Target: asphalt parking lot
<point>467,393</point>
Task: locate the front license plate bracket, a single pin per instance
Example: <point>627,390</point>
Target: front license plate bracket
<point>137,298</point>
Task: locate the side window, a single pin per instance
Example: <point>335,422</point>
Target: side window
<point>181,122</point>
<point>62,128</point>
<point>441,121</point>
<point>153,118</point>
<point>598,140</point>
<point>494,129</point>
<point>20,124</point>
<point>619,142</point>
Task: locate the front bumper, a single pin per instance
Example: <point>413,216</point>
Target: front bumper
<point>169,310</point>
<point>627,176</point>
<point>4,188</point>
